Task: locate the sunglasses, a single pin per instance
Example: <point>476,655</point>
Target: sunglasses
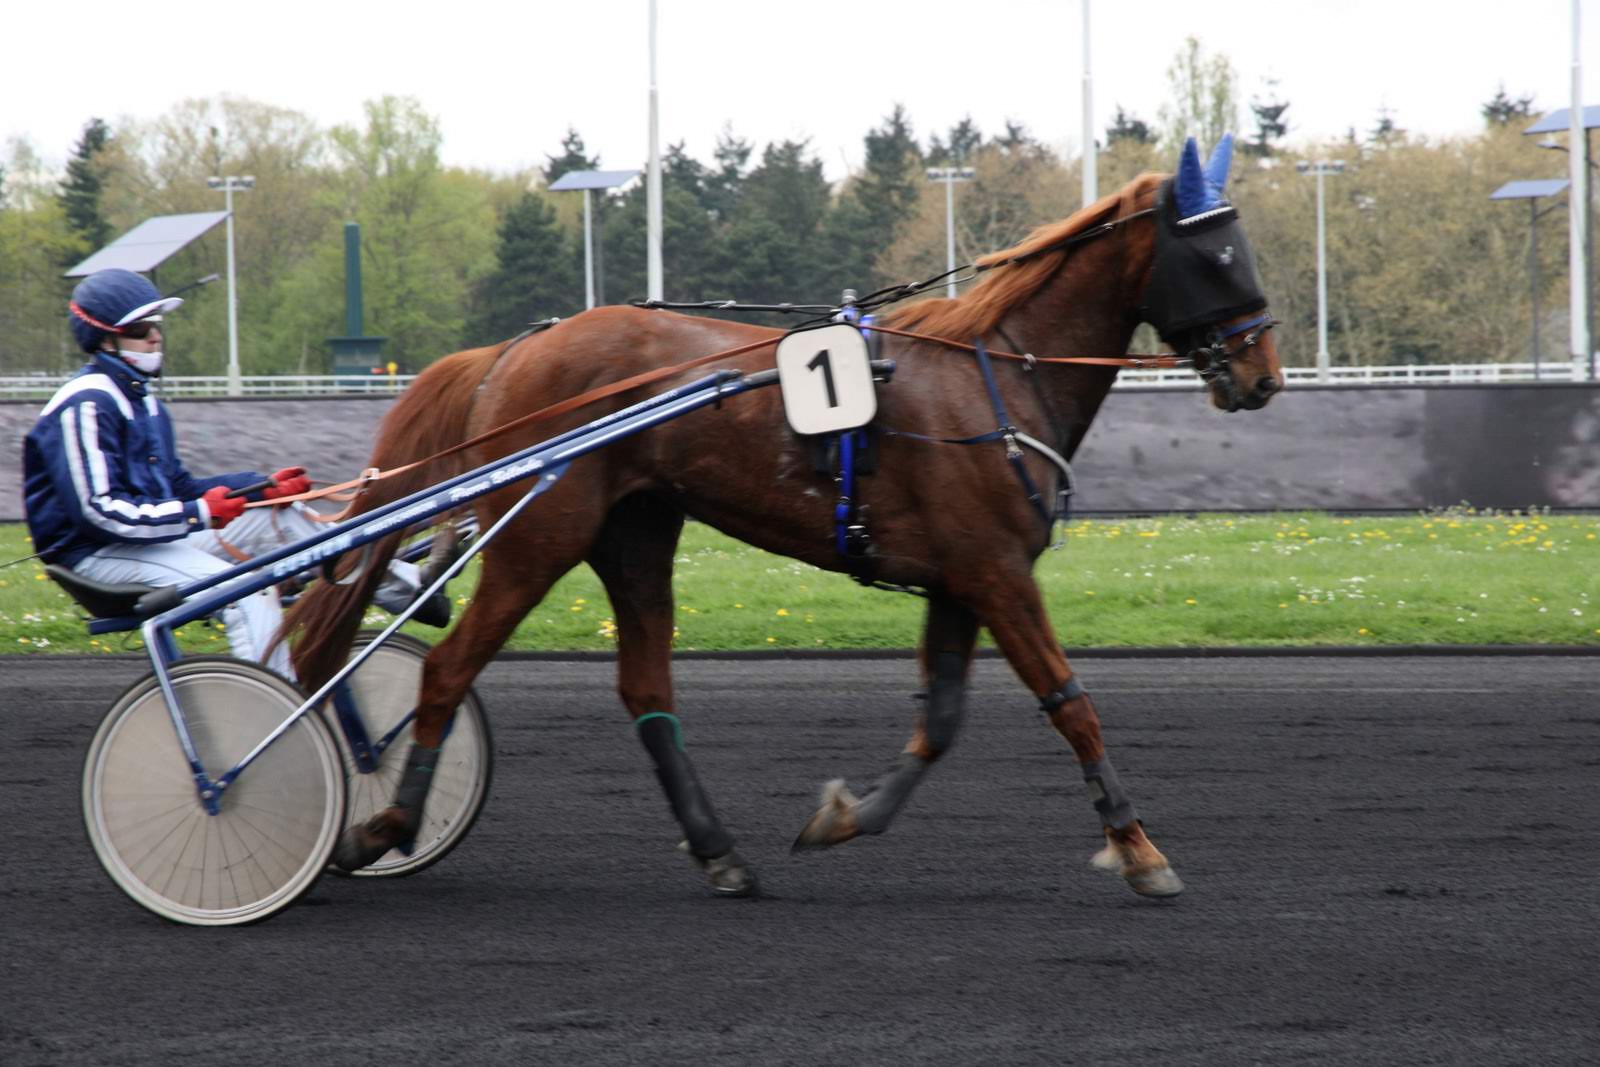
<point>139,330</point>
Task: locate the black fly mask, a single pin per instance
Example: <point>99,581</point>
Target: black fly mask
<point>1204,271</point>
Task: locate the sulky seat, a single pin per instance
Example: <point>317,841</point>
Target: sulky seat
<point>109,600</point>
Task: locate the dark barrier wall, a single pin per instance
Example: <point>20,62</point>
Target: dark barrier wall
<point>1372,448</point>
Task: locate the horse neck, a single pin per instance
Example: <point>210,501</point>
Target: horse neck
<point>1082,311</point>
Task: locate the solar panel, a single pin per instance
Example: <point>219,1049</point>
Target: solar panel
<point>150,243</point>
<point>592,179</point>
<point>1557,120</point>
<point>1529,190</point>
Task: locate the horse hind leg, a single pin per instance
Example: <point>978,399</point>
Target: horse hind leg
<point>511,584</point>
<point>949,634</point>
<point>633,557</point>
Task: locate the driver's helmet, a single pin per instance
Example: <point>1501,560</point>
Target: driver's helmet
<point>108,301</point>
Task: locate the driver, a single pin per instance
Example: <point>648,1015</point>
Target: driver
<point>107,495</point>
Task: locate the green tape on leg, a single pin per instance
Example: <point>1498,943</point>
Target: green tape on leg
<point>677,727</point>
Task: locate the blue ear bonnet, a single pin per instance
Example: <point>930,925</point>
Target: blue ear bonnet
<point>1204,271</point>
<point>1197,190</point>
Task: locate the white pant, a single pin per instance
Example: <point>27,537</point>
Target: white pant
<point>252,622</point>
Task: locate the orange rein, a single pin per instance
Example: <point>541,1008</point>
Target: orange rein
<point>348,491</point>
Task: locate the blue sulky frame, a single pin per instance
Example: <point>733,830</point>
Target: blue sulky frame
<point>547,461</point>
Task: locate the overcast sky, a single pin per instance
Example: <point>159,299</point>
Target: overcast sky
<point>506,80</point>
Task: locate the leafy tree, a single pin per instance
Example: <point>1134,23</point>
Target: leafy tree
<point>35,238</point>
<point>80,191</point>
<point>536,274</point>
<point>1502,110</point>
<point>427,234</point>
<point>1128,128</point>
<point>1204,101</point>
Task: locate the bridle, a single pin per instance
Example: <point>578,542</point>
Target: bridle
<point>1213,360</point>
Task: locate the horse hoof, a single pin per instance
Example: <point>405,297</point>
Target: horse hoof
<point>728,875</point>
<point>835,821</point>
<point>358,847</point>
<point>361,846</point>
<point>1157,882</point>
<point>1108,859</point>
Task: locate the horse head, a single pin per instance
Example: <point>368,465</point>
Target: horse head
<point>1203,294</point>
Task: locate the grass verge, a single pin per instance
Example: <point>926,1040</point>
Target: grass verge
<point>1451,577</point>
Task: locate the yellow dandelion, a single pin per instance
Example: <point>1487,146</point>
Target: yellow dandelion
<point>38,577</point>
<point>576,607</point>
<point>781,611</point>
<point>772,640</point>
<point>1363,630</point>
<point>1191,600</point>
<point>1283,605</point>
<point>1088,592</point>
<point>738,605</point>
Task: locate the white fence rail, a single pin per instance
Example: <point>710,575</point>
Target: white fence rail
<point>42,386</point>
<point>1407,374</point>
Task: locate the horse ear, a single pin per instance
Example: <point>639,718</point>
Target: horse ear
<point>1189,187</point>
<point>1217,166</point>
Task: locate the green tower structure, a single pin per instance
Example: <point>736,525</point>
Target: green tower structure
<point>355,353</point>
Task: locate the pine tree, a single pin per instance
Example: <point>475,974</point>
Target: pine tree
<point>1270,126</point>
<point>1385,131</point>
<point>1503,110</point>
<point>572,157</point>
<point>1128,127</point>
<point>892,178</point>
<point>958,148</point>
<point>536,275</point>
<point>80,192</point>
<point>723,185</point>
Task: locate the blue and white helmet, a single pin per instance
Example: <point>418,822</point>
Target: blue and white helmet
<point>108,300</point>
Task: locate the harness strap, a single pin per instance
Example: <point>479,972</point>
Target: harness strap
<point>624,385</point>
<point>1008,433</point>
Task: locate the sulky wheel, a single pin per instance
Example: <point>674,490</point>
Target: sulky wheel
<point>277,823</point>
<point>385,690</point>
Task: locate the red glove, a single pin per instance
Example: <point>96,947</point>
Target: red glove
<point>291,481</point>
<point>223,510</point>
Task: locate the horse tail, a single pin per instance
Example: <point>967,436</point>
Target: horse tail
<point>429,417</point>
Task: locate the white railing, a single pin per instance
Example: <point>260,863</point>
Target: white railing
<point>1407,374</point>
<point>42,386</point>
<point>185,387</point>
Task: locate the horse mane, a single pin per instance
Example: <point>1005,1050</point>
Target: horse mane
<point>980,309</point>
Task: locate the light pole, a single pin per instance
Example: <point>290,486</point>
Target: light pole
<point>653,273</point>
<point>1587,227</point>
<point>1531,191</point>
<point>228,184</point>
<point>949,176</point>
<point>1320,168</point>
<point>1091,184</point>
<point>589,181</point>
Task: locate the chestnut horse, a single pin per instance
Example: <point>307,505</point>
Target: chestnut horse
<point>952,521</point>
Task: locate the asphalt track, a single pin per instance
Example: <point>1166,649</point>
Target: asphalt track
<point>1388,860</point>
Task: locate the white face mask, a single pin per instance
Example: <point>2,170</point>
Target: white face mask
<point>144,362</point>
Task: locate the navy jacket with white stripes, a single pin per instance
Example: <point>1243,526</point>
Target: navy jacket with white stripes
<point>101,467</point>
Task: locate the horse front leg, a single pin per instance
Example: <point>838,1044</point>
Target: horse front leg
<point>1013,610</point>
<point>949,635</point>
